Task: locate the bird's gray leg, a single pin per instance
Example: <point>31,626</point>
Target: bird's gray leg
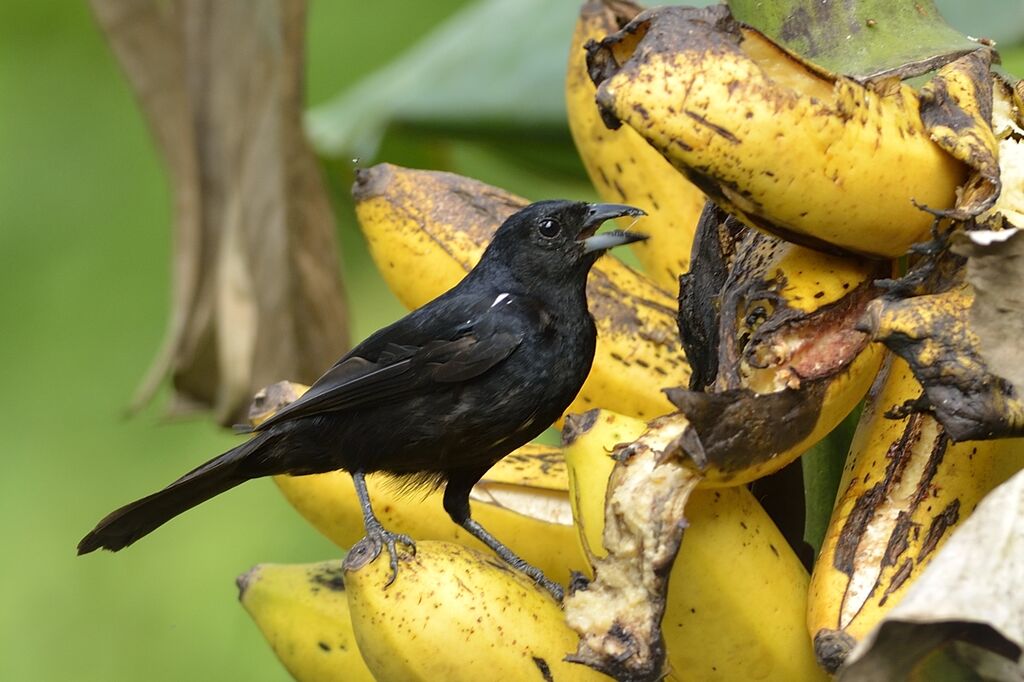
<point>375,531</point>
<point>456,503</point>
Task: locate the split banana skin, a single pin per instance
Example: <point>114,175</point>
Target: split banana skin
<point>777,331</point>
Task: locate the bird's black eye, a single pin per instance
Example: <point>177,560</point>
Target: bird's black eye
<point>549,227</point>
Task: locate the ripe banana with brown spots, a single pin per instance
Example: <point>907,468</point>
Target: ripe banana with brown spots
<point>788,147</point>
<point>622,165</point>
<point>426,229</point>
<point>905,488</point>
<point>455,614</point>
<point>302,610</point>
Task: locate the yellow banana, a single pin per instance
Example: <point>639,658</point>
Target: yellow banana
<point>426,229</point>
<point>302,610</point>
<point>455,614</point>
<point>620,163</point>
<point>523,499</point>
<point>813,157</point>
<point>735,602</point>
<point>905,487</point>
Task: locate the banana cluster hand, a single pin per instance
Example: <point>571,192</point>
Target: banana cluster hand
<point>821,184</point>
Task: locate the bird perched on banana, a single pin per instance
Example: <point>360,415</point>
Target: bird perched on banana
<point>437,397</point>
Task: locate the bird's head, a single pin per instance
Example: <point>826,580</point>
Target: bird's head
<point>558,240</point>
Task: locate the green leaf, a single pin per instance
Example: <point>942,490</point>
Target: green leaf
<point>823,469</point>
<point>999,20</point>
<point>862,38</point>
<point>497,64</point>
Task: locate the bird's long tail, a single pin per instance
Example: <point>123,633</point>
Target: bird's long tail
<point>123,526</point>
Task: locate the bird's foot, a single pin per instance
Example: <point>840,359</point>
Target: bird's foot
<point>381,538</point>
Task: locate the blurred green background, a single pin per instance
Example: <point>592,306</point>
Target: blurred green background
<point>84,291</point>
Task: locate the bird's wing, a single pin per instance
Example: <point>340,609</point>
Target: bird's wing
<point>453,344</point>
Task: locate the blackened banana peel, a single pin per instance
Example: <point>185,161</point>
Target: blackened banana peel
<point>933,334</point>
<point>789,362</point>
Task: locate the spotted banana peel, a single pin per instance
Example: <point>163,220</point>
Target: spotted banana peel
<point>455,614</point>
<point>622,166</point>
<point>933,333</point>
<point>790,148</point>
<point>905,488</point>
<point>302,611</point>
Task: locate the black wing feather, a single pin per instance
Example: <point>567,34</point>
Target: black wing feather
<point>402,368</point>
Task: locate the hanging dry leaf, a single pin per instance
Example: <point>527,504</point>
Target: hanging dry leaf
<point>967,608</point>
<point>257,294</point>
<point>995,268</point>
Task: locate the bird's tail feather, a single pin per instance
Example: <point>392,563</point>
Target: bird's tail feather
<point>124,526</point>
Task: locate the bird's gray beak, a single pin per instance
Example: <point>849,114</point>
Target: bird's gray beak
<point>597,214</point>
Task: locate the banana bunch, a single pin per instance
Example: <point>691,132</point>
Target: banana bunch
<point>820,184</point>
<point>620,163</point>
<point>905,487</point>
<point>426,229</point>
<point>734,567</point>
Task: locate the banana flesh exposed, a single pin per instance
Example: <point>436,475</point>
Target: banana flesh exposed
<point>620,163</point>
<point>733,567</point>
<point>427,229</point>
<point>808,155</point>
<point>905,488</point>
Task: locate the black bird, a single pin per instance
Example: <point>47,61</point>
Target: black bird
<point>440,395</point>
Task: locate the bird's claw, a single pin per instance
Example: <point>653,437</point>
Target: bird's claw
<point>381,538</point>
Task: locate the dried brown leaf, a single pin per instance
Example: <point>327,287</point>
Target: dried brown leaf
<point>257,293</point>
<point>995,268</point>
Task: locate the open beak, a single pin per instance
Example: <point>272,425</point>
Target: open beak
<point>596,216</point>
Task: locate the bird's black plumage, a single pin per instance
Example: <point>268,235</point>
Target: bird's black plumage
<point>440,395</point>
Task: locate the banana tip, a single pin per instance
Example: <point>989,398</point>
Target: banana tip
<point>245,580</point>
<point>372,182</point>
<point>831,648</point>
<point>576,425</point>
